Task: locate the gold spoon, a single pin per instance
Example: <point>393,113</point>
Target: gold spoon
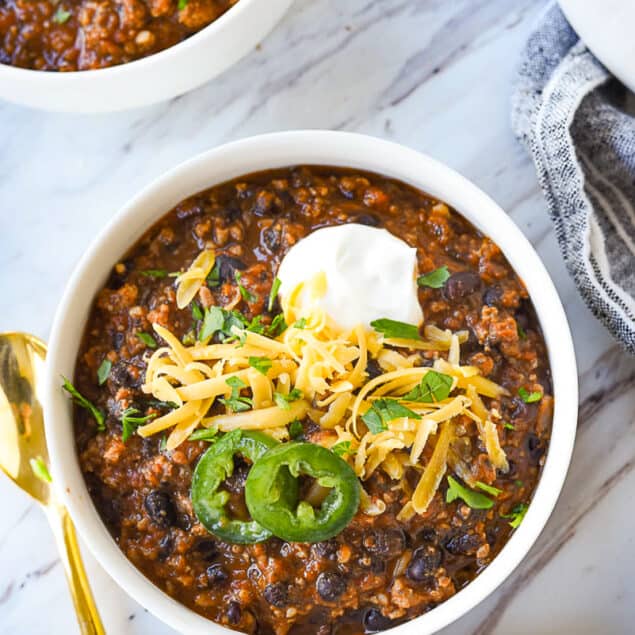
<point>23,453</point>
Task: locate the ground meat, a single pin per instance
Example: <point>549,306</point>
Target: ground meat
<point>86,34</point>
<point>379,571</point>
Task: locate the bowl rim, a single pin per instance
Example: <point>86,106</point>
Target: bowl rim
<point>316,147</point>
<point>141,65</point>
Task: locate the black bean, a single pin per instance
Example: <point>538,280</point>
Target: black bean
<point>326,549</point>
<point>367,219</point>
<point>271,238</point>
<point>461,284</point>
<point>424,562</point>
<point>544,379</point>
<point>374,621</point>
<point>121,376</point>
<point>373,368</point>
<point>227,267</point>
<point>463,544</point>
<point>166,545</point>
<point>277,594</point>
<point>207,549</point>
<point>160,508</point>
<point>190,207</point>
<point>330,585</point>
<point>535,448</point>
<point>427,534</point>
<point>492,295</point>
<point>236,482</point>
<point>522,412</point>
<point>217,574</point>
<point>117,340</point>
<point>231,213</point>
<point>234,612</point>
<point>385,542</point>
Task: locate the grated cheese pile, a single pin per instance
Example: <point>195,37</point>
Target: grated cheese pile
<point>315,369</point>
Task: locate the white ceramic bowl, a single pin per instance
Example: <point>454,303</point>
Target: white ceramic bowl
<point>274,151</point>
<point>161,76</point>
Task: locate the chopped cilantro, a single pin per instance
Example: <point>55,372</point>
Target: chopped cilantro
<point>204,434</point>
<point>81,401</point>
<point>213,321</point>
<point>147,339</point>
<point>213,278</point>
<point>182,4</point>
<point>189,339</point>
<point>434,279</point>
<point>244,292</point>
<point>296,429</point>
<point>40,470</point>
<point>517,514</point>
<point>508,426</point>
<point>61,16</point>
<point>283,401</point>
<point>384,410</point>
<point>434,386</point>
<point>522,334</point>
<point>154,273</point>
<point>235,401</point>
<point>489,489</point>
<point>393,328</point>
<point>343,448</point>
<point>300,324</point>
<point>273,294</point>
<point>473,499</point>
<point>103,371</point>
<point>529,397</point>
<point>197,311</point>
<point>130,422</point>
<point>261,364</point>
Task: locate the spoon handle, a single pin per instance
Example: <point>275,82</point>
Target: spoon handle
<point>66,539</point>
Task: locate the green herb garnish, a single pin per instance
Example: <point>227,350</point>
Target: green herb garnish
<point>147,339</point>
<point>273,294</point>
<point>61,16</point>
<point>343,448</point>
<point>163,444</point>
<point>235,401</point>
<point>383,411</point>
<point>283,401</point>
<point>182,4</point>
<point>261,364</point>
<point>277,327</point>
<point>81,401</point>
<point>40,470</point>
<point>434,386</point>
<point>473,499</point>
<point>393,328</point>
<point>155,273</point>
<point>518,483</point>
<point>434,279</point>
<point>204,434</point>
<point>103,371</point>
<point>489,489</point>
<point>218,320</point>
<point>197,311</point>
<point>296,429</point>
<point>130,422</point>
<point>508,426</point>
<point>247,296</point>
<point>213,278</point>
<point>529,397</point>
<point>517,514</point>
<point>213,321</point>
<point>522,334</point>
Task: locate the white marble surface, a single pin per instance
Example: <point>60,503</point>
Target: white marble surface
<point>432,74</point>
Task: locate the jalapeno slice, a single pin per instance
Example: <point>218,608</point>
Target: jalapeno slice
<point>282,513</point>
<point>217,464</point>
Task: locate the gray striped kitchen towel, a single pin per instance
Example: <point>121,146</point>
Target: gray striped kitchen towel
<point>578,124</point>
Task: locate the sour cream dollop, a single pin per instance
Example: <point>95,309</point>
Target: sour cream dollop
<point>370,274</point>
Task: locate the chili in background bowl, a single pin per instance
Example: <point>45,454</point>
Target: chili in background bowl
<point>158,77</point>
<point>275,151</point>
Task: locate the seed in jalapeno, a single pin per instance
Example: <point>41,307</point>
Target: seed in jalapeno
<point>210,501</point>
<point>296,520</point>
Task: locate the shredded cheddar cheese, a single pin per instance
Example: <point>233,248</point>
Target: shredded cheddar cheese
<point>315,369</point>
